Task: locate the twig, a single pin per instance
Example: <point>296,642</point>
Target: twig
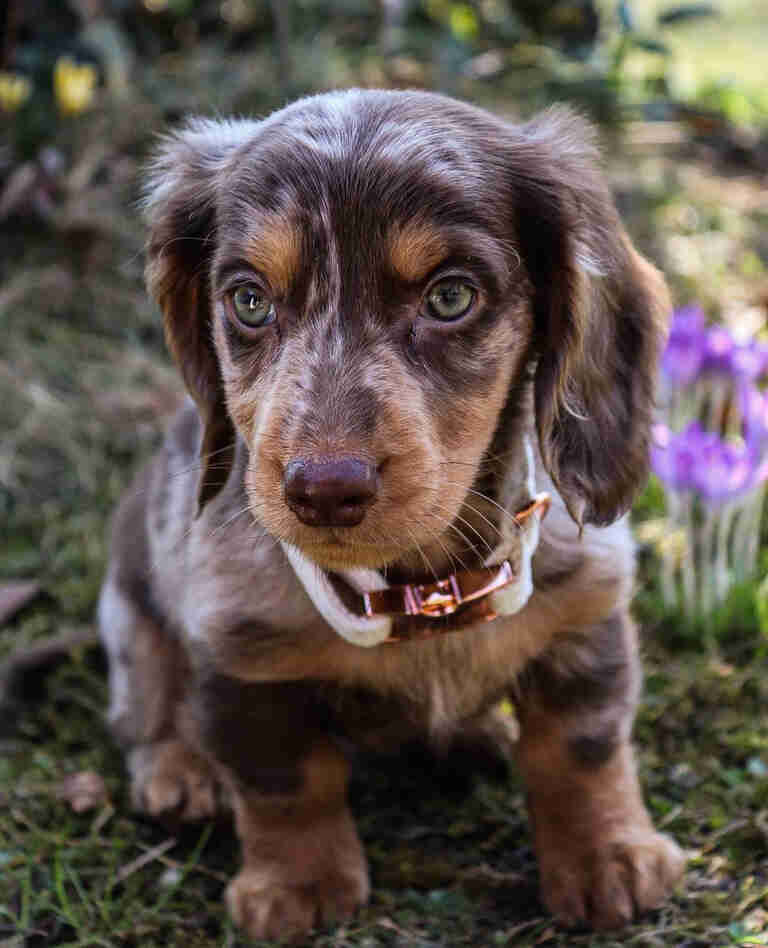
<point>175,864</point>
<point>144,859</point>
<point>36,657</point>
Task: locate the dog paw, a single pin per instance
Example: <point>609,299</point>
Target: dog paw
<point>171,780</point>
<point>265,908</point>
<point>607,885</point>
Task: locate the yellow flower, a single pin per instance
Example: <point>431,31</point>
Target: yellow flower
<point>74,86</point>
<point>463,21</point>
<point>14,91</point>
<point>506,707</point>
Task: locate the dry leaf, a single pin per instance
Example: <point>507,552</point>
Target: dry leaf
<point>83,791</point>
<point>14,596</point>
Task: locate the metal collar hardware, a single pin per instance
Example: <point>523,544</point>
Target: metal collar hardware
<point>446,597</point>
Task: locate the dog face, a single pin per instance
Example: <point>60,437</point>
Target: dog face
<point>359,285</point>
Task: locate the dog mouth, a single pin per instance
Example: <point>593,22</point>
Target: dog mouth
<point>335,550</point>
<point>411,535</point>
<point>362,586</point>
<point>421,545</point>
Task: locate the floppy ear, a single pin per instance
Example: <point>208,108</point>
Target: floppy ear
<point>179,204</point>
<point>600,317</point>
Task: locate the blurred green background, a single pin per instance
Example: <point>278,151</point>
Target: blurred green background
<point>680,94</point>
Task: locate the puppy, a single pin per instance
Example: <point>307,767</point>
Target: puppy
<point>399,319</point>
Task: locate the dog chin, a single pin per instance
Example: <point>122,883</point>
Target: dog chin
<point>337,556</point>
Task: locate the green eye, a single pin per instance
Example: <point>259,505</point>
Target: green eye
<point>450,299</point>
<point>252,307</point>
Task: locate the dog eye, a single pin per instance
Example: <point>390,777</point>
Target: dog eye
<point>450,299</point>
<point>252,307</point>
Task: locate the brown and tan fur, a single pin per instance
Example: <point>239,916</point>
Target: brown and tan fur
<point>346,208</point>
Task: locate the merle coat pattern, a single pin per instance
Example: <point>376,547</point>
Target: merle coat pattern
<point>339,216</point>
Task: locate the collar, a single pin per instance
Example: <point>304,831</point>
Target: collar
<point>367,611</point>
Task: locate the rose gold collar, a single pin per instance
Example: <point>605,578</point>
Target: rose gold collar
<point>423,610</point>
<point>366,611</point>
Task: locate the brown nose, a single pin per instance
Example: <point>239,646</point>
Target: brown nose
<point>330,493</point>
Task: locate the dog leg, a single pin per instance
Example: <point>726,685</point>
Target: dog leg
<point>303,863</point>
<point>600,859</point>
<point>146,669</point>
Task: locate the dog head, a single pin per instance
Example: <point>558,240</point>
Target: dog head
<point>364,287</point>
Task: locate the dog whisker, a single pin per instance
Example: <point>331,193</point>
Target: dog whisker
<point>471,546</point>
<point>479,513</point>
<point>222,526</point>
<point>199,464</point>
<point>452,556</point>
<point>470,507</point>
<point>423,555</point>
<point>489,500</point>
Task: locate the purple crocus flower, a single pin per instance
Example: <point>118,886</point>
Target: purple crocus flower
<point>699,460</point>
<point>723,470</point>
<point>751,360</point>
<point>719,348</point>
<point>674,456</point>
<point>754,411</point>
<point>693,349</point>
<point>682,359</point>
<point>696,459</point>
<point>724,355</point>
<point>713,478</point>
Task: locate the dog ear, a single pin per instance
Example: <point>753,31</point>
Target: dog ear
<point>179,202</point>
<point>600,314</point>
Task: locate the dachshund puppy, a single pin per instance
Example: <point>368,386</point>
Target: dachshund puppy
<point>398,318</point>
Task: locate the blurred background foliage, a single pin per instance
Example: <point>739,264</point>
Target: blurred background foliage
<point>74,72</point>
<point>655,60</point>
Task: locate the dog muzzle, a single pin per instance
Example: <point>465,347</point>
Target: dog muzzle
<point>372,612</point>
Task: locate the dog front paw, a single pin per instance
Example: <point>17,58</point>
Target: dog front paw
<point>298,873</point>
<point>168,779</point>
<point>266,908</point>
<point>608,884</point>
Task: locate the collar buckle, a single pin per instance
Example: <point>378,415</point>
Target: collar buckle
<point>433,600</point>
<point>442,598</point>
<point>468,592</point>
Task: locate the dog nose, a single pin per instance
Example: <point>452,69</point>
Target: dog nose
<point>330,493</point>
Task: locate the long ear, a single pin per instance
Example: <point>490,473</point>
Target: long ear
<point>179,203</point>
<point>600,317</point>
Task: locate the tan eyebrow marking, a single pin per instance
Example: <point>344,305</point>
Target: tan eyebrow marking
<point>274,249</point>
<point>415,248</point>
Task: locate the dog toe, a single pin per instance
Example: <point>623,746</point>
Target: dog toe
<point>615,881</point>
<point>270,910</point>
<point>170,779</point>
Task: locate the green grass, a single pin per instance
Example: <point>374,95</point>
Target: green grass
<point>451,866</point>
<point>84,388</point>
